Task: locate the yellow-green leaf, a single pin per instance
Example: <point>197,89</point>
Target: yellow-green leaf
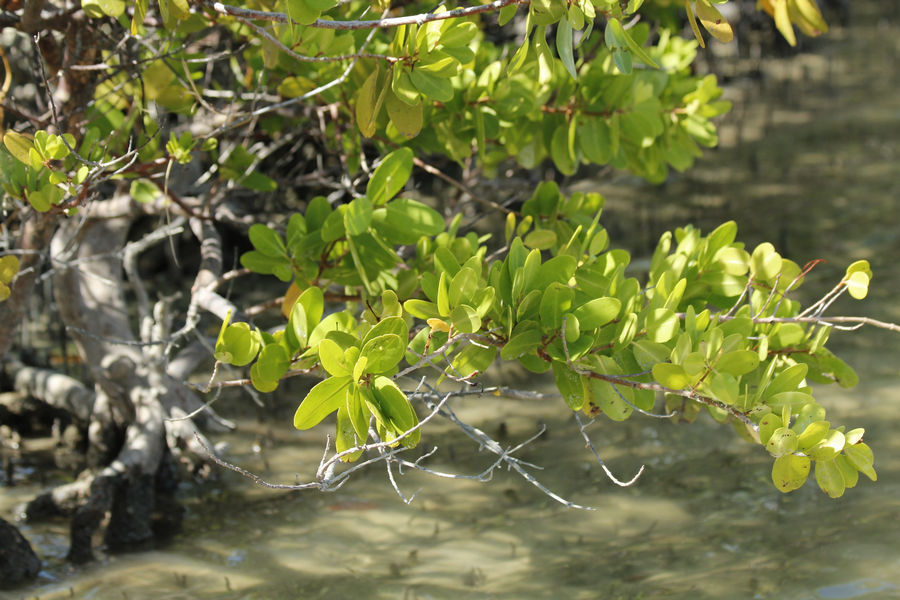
<point>790,472</point>
<point>9,266</point>
<point>368,103</point>
<point>18,145</point>
<point>326,397</point>
<point>713,21</point>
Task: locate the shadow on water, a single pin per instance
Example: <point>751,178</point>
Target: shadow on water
<point>809,159</point>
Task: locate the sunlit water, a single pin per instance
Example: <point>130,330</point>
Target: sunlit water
<point>815,166</point>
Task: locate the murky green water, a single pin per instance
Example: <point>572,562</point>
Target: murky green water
<point>815,166</point>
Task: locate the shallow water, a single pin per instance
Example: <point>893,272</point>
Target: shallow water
<point>702,522</point>
<point>812,165</point>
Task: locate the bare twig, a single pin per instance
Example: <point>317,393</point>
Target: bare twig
<point>582,427</point>
<point>419,19</point>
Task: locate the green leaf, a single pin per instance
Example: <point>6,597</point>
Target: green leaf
<point>809,413</point>
<point>302,11</point>
<point>326,397</point>
<point>432,86</point>
<point>713,21</point>
<point>857,284</point>
<point>812,435</point>
<point>464,319</point>
<point>555,302</point>
<point>854,436</point>
<point>662,325</point>
<point>829,478</point>
<point>237,344</point>
<point>738,362</point>
<point>39,200</point>
<point>297,329</point>
<point>397,410</point>
<point>394,325</point>
<point>636,50</point>
<point>768,425</point>
<point>594,139</point>
<point>368,102</point>
<point>724,387</point>
<point>331,355</point>
<point>790,472</point>
<point>422,309</point>
<point>389,177</point>
<point>861,457</point>
<point>460,33</point>
<point>322,5</point>
<point>313,301</point>
<point>793,400</point>
<point>137,19</point>
<point>526,337</point>
<point>403,88</point>
<point>144,191</point>
<point>782,442</point>
<point>358,216</point>
<point>765,263</point>
<point>463,286</point>
<point>648,354</point>
<point>261,383</point>
<point>473,359</point>
<point>443,295</point>
<point>439,63</point>
<point>100,8</point>
<point>267,241</point>
<point>173,11</point>
<point>733,261</point>
<point>564,46</point>
<point>596,313</point>
<point>540,239</point>
<point>267,265</point>
<point>408,119</point>
<point>18,145</point>
<point>345,435</point>
<point>848,471</point>
<point>671,376</point>
<point>9,266</point>
<point>273,362</point>
<point>788,380</point>
<point>859,266</point>
<point>828,447</point>
<point>404,221</point>
<point>569,384</point>
<point>603,395</point>
<point>358,412</point>
<point>507,13</point>
<point>383,353</point>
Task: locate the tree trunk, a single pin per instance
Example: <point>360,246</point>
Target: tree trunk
<point>130,442</point>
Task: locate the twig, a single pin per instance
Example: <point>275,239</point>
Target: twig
<point>302,98</point>
<point>460,186</point>
<point>582,427</point>
<point>419,19</point>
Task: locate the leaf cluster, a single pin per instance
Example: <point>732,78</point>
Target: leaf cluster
<point>709,329</point>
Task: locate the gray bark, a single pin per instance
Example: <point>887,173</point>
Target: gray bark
<point>129,436</point>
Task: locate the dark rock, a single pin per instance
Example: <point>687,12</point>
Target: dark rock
<point>18,562</point>
<point>130,521</point>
